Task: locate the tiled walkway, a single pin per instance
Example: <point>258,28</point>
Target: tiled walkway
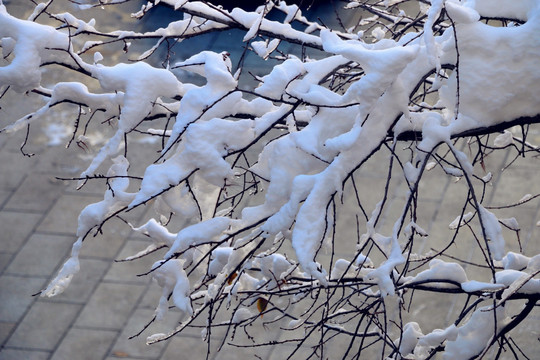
<point>106,303</point>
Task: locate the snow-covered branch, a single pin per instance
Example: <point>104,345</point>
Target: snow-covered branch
<point>256,182</point>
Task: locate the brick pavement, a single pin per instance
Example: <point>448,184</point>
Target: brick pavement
<point>106,302</point>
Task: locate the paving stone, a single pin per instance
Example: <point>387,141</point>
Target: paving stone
<point>140,215</point>
<point>4,194</point>
<point>234,353</point>
<point>95,187</point>
<point>14,168</point>
<point>110,306</point>
<point>151,296</point>
<point>181,345</point>
<point>5,331</point>
<point>68,164</point>
<point>16,226</point>
<point>40,255</point>
<point>57,161</point>
<point>16,354</point>
<point>260,333</point>
<point>330,352</point>
<point>193,342</point>
<point>5,259</point>
<point>62,218</point>
<point>16,295</point>
<point>37,193</point>
<point>44,325</point>
<point>137,347</point>
<point>128,270</point>
<point>85,344</point>
<point>108,244</point>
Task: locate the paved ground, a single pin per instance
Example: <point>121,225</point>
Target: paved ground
<point>106,302</point>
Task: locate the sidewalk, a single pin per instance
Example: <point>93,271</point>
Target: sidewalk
<point>106,302</point>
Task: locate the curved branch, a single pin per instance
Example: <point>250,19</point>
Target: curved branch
<point>524,120</point>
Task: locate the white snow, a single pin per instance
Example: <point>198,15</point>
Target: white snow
<point>115,198</point>
<point>382,274</point>
<point>265,48</point>
<point>220,257</point>
<point>515,261</point>
<point>274,267</point>
<point>66,273</point>
<point>493,233</point>
<point>172,278</point>
<point>142,85</point>
<point>159,235</point>
<point>504,139</point>
<point>155,337</point>
<point>441,270</point>
<point>242,314</point>
<point>198,233</point>
<point>90,217</point>
<point>72,92</point>
<point>274,84</point>
<point>510,223</point>
<point>474,286</point>
<point>432,340</point>
<point>411,173</point>
<point>474,335</point>
<point>32,46</point>
<point>411,334</point>
<point>518,281</point>
<point>509,83</point>
<point>341,268</point>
